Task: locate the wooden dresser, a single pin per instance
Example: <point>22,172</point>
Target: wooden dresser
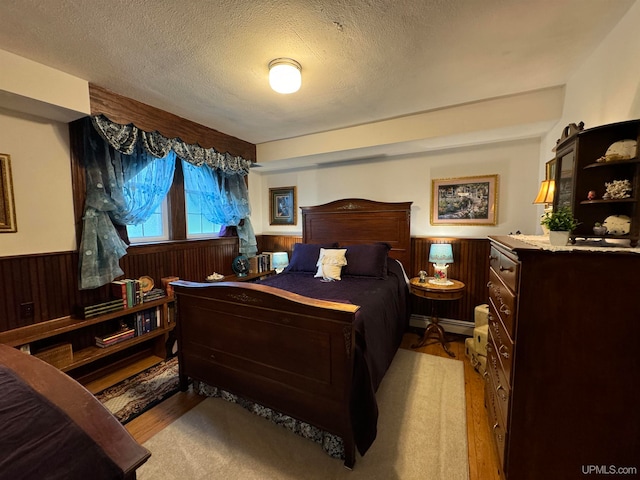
<point>563,363</point>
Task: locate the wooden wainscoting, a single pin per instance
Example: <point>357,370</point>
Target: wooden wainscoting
<point>50,281</point>
<point>471,266</point>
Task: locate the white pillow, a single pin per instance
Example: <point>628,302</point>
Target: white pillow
<point>330,263</point>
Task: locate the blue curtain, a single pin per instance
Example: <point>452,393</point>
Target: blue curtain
<point>121,189</point>
<point>129,172</point>
<point>224,198</point>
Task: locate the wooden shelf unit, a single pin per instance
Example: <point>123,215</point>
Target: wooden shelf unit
<point>580,169</point>
<point>88,354</point>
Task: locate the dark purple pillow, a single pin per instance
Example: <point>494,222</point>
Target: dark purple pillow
<point>305,256</point>
<point>367,260</point>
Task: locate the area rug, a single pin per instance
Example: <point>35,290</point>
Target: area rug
<point>134,396</point>
<point>421,435</point>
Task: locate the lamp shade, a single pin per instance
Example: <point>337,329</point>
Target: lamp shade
<point>280,261</point>
<point>285,75</point>
<point>441,253</point>
<point>547,190</point>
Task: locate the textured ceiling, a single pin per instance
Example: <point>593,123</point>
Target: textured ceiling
<point>362,61</point>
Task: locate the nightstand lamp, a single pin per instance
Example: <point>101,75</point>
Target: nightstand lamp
<point>440,254</point>
<point>280,261</point>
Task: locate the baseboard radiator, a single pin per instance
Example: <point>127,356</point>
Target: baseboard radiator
<point>450,325</point>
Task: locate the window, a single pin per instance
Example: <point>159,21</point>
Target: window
<point>197,224</point>
<point>155,229</point>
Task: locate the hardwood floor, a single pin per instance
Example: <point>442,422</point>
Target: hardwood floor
<point>483,463</point>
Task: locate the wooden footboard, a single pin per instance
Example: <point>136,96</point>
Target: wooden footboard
<point>288,352</point>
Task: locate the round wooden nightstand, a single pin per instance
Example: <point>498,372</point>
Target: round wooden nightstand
<point>436,292</point>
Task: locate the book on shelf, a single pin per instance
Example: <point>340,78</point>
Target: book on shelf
<point>154,294</point>
<point>146,321</point>
<point>260,262</point>
<point>115,337</point>
<point>101,308</point>
<point>128,291</point>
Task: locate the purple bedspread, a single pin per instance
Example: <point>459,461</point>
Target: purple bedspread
<point>380,324</point>
<point>38,440</point>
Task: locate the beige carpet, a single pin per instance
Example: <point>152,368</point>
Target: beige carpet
<point>421,435</point>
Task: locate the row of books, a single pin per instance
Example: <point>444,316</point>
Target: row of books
<point>141,322</point>
<point>260,263</point>
<point>128,291</point>
<point>146,320</point>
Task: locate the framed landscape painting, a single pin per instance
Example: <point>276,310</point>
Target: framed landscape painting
<point>282,206</point>
<point>7,205</point>
<point>465,201</point>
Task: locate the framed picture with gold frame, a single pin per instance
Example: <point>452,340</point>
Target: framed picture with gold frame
<point>465,201</point>
<point>7,205</point>
<point>283,206</point>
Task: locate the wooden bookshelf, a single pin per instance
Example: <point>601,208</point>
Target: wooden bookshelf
<point>84,356</point>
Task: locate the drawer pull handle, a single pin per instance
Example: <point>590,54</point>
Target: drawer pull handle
<point>496,425</point>
<point>502,393</point>
<point>213,356</point>
<point>504,309</point>
<point>485,375</point>
<point>503,269</point>
<point>505,354</point>
<point>491,257</point>
<point>489,284</point>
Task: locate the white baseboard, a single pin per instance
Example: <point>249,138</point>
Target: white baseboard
<point>450,325</point>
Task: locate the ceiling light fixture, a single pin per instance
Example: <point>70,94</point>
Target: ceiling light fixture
<point>285,75</point>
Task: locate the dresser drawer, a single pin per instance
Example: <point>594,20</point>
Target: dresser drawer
<point>503,299</point>
<point>502,341</point>
<point>505,267</point>
<point>500,381</point>
<point>496,425</point>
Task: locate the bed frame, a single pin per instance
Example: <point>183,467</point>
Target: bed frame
<point>310,376</point>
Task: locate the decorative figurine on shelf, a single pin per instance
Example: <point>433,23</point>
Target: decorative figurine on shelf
<point>599,229</point>
<point>423,276</point>
<point>618,189</point>
<point>591,195</point>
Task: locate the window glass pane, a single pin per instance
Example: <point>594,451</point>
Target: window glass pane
<point>154,229</point>
<point>197,224</point>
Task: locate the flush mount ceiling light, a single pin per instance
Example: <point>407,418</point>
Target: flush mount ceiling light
<point>285,75</point>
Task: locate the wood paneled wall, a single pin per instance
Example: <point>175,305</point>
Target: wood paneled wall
<point>50,280</point>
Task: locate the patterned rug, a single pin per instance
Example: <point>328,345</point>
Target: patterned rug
<point>134,396</point>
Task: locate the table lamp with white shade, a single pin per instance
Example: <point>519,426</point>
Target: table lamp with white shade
<point>280,261</point>
<point>440,254</point>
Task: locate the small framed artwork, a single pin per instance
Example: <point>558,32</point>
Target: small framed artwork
<point>283,206</point>
<point>7,205</point>
<point>465,201</point>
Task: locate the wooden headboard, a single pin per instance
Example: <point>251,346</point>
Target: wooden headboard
<point>357,221</point>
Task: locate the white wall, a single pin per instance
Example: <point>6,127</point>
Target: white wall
<point>41,170</point>
<point>408,178</point>
<point>606,88</point>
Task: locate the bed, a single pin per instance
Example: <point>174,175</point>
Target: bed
<point>47,418</point>
<point>312,349</point>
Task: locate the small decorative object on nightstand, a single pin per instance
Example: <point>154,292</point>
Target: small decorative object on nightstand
<point>240,265</point>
